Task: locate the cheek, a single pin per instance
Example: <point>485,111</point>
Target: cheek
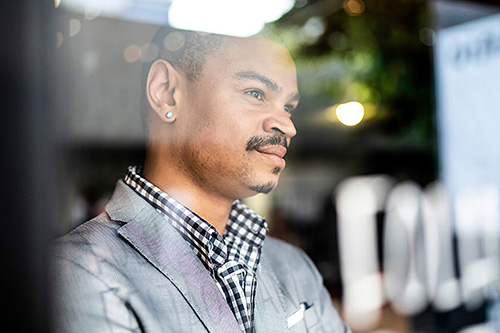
<point>218,166</point>
<point>222,133</point>
<point>223,121</point>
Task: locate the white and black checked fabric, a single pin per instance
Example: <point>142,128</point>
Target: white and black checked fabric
<point>232,259</point>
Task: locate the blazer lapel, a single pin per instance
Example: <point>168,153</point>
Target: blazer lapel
<point>270,303</point>
<point>157,240</point>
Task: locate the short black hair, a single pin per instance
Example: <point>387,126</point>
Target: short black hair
<point>184,50</point>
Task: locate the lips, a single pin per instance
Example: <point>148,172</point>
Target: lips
<point>274,154</point>
<point>273,150</point>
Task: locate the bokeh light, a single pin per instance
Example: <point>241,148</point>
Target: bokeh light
<point>427,36</point>
<point>354,7</point>
<point>59,39</point>
<point>314,28</point>
<point>149,52</point>
<point>74,27</point>
<point>132,53</point>
<point>350,114</point>
<point>91,13</point>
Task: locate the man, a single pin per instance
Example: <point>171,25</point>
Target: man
<point>175,250</point>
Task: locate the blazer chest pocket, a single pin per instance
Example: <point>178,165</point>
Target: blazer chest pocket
<point>311,316</point>
<point>306,316</point>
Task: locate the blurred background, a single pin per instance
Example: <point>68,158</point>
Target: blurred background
<point>391,184</point>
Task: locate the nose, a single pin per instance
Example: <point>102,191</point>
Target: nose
<point>280,122</point>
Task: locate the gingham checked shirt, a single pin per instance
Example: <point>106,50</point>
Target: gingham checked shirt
<point>231,259</point>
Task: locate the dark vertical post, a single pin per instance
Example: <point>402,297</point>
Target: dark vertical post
<point>27,162</point>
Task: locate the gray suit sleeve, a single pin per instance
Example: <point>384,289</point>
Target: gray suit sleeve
<point>95,308</point>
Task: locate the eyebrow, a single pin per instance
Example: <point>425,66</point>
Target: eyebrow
<point>254,76</point>
<point>295,97</point>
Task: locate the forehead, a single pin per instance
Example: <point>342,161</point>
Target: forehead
<point>255,54</point>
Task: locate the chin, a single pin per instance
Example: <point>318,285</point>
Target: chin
<point>264,188</point>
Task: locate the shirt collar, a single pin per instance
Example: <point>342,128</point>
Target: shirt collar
<point>246,225</point>
<point>244,228</point>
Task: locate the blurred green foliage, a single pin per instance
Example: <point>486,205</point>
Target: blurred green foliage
<point>379,55</point>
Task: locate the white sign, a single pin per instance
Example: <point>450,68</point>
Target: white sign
<point>467,60</point>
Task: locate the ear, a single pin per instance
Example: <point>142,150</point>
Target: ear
<point>161,85</point>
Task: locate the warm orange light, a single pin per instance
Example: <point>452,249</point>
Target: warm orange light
<point>354,7</point>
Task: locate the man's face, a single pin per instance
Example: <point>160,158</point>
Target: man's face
<point>237,127</point>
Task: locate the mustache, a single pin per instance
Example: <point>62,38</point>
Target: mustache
<point>256,142</point>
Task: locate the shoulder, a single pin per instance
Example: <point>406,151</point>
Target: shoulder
<point>87,278</point>
<point>282,247</point>
<point>289,261</point>
<point>92,258</point>
<point>283,253</point>
<point>99,230</point>
<point>95,241</point>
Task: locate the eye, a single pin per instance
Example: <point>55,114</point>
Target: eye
<point>289,108</point>
<point>257,94</point>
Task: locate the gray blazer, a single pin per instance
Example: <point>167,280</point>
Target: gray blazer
<point>128,270</point>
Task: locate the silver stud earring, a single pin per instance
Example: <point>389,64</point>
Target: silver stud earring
<point>169,115</point>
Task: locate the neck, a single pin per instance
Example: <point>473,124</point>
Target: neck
<point>210,206</point>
